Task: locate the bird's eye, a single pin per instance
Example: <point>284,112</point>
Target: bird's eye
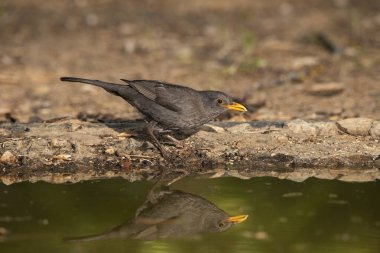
<point>221,224</point>
<point>220,101</point>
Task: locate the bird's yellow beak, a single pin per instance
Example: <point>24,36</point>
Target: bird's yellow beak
<point>237,219</point>
<point>236,107</point>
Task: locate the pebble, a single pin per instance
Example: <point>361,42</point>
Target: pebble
<point>324,89</point>
<point>110,151</point>
<point>375,129</point>
<point>212,128</point>
<point>328,128</point>
<point>58,143</point>
<point>4,132</point>
<point>283,139</point>
<point>75,126</point>
<point>135,144</point>
<point>62,157</point>
<point>92,19</point>
<point>356,126</point>
<point>306,61</point>
<point>7,180</point>
<point>240,128</point>
<point>130,46</point>
<point>8,158</point>
<point>300,126</point>
<point>124,135</point>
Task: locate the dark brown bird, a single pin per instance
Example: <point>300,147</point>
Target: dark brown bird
<point>172,214</point>
<point>169,106</point>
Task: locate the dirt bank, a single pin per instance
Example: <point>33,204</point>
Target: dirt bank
<point>72,150</point>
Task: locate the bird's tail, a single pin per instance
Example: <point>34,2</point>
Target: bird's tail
<point>110,87</point>
<point>85,238</point>
<point>125,230</point>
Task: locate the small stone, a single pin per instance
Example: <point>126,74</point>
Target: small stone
<point>135,144</point>
<point>240,128</point>
<point>8,158</point>
<point>62,157</point>
<point>375,129</point>
<point>92,19</point>
<point>7,180</point>
<point>123,136</point>
<point>4,132</point>
<point>130,46</point>
<point>299,126</point>
<point>110,174</point>
<point>306,61</point>
<point>75,126</point>
<point>212,128</point>
<point>57,143</point>
<point>328,128</point>
<point>324,89</point>
<point>282,139</point>
<point>110,151</point>
<point>355,126</point>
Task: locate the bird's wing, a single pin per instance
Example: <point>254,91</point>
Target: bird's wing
<point>152,228</point>
<point>166,95</point>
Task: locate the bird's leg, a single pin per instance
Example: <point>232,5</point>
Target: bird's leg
<point>158,189</point>
<point>174,141</point>
<point>184,173</point>
<point>149,129</point>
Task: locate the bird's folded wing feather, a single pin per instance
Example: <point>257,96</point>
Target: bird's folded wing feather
<point>153,227</point>
<point>165,95</point>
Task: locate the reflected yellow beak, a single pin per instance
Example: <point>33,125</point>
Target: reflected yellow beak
<point>236,107</point>
<point>237,219</point>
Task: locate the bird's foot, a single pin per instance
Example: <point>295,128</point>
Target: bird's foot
<point>166,154</point>
<point>171,157</point>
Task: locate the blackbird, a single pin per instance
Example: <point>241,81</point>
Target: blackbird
<point>172,214</point>
<point>168,106</point>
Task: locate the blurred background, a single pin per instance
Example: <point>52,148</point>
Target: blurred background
<point>284,59</point>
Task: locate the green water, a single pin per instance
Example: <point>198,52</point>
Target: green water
<point>284,216</point>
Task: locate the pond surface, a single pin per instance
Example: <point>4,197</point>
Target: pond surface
<point>284,216</point>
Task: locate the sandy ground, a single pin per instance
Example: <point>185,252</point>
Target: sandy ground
<point>73,150</point>
<point>273,55</point>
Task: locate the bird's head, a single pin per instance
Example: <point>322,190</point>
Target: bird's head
<point>221,102</point>
<point>218,222</point>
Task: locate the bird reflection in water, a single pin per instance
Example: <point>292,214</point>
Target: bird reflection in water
<point>169,214</point>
